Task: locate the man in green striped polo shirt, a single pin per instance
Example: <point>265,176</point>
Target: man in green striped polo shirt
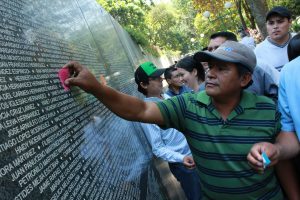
<point>221,124</point>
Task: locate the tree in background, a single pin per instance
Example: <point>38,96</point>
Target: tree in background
<point>171,29</point>
<point>238,14</point>
<point>214,16</point>
<point>248,14</point>
<point>178,27</point>
<point>187,18</point>
<point>131,15</point>
<point>168,27</point>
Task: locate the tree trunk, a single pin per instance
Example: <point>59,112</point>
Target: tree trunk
<point>249,14</point>
<point>238,4</point>
<point>259,9</point>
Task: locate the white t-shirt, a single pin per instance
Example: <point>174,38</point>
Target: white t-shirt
<point>272,54</point>
<point>248,41</point>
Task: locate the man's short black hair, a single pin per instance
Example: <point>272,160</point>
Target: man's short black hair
<point>294,47</point>
<point>141,77</point>
<point>168,71</point>
<point>226,34</point>
<point>242,70</point>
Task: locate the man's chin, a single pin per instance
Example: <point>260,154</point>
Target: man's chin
<point>210,92</point>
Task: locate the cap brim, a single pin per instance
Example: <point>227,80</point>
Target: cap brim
<point>157,73</point>
<point>272,13</point>
<point>204,56</point>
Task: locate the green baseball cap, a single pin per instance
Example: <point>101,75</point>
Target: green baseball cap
<point>146,70</point>
<point>151,70</point>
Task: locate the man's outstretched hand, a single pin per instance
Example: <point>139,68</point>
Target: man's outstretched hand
<point>80,76</point>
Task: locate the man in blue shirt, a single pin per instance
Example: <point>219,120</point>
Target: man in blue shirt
<point>170,144</point>
<point>287,144</point>
<point>175,81</point>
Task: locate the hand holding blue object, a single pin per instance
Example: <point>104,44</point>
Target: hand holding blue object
<point>266,159</point>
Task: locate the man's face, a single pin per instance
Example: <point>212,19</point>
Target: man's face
<point>215,43</point>
<point>278,28</point>
<point>222,79</point>
<point>176,79</point>
<point>154,87</point>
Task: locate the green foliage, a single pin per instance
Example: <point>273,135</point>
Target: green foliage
<point>296,25</point>
<point>162,28</point>
<point>130,14</point>
<point>224,20</point>
<point>292,5</point>
<point>172,28</point>
<point>126,12</point>
<point>179,26</point>
<point>138,36</point>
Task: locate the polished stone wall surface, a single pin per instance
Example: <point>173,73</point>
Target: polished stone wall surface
<point>57,144</point>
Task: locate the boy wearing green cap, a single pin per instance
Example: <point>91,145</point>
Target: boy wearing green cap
<point>169,144</point>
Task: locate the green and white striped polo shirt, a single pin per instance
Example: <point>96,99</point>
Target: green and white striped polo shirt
<point>220,147</point>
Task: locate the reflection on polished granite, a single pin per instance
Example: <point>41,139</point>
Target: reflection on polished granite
<point>66,145</point>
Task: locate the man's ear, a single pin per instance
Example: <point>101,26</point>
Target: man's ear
<point>143,85</point>
<point>245,79</point>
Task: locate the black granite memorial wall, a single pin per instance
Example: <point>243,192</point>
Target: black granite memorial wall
<point>57,144</point>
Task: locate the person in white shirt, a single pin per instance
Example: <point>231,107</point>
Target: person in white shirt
<point>169,144</point>
<point>246,39</point>
<point>273,50</point>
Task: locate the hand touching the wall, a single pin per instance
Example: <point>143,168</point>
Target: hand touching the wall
<point>123,105</point>
<point>81,77</point>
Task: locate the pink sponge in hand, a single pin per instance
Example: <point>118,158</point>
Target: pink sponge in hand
<point>63,74</point>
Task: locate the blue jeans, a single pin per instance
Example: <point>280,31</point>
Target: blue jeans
<point>189,180</point>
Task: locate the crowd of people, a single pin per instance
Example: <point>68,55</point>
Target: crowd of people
<point>224,107</point>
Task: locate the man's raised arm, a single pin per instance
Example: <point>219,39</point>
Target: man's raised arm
<point>123,105</point>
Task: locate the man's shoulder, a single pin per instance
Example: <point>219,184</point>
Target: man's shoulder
<point>185,89</point>
<point>190,97</point>
<point>152,99</point>
<point>200,97</point>
<point>294,64</point>
<point>261,46</point>
<point>253,100</point>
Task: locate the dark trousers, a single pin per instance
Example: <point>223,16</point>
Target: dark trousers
<point>189,180</point>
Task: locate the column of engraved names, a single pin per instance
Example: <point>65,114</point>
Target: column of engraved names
<point>9,123</point>
<point>66,147</point>
<point>79,173</point>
